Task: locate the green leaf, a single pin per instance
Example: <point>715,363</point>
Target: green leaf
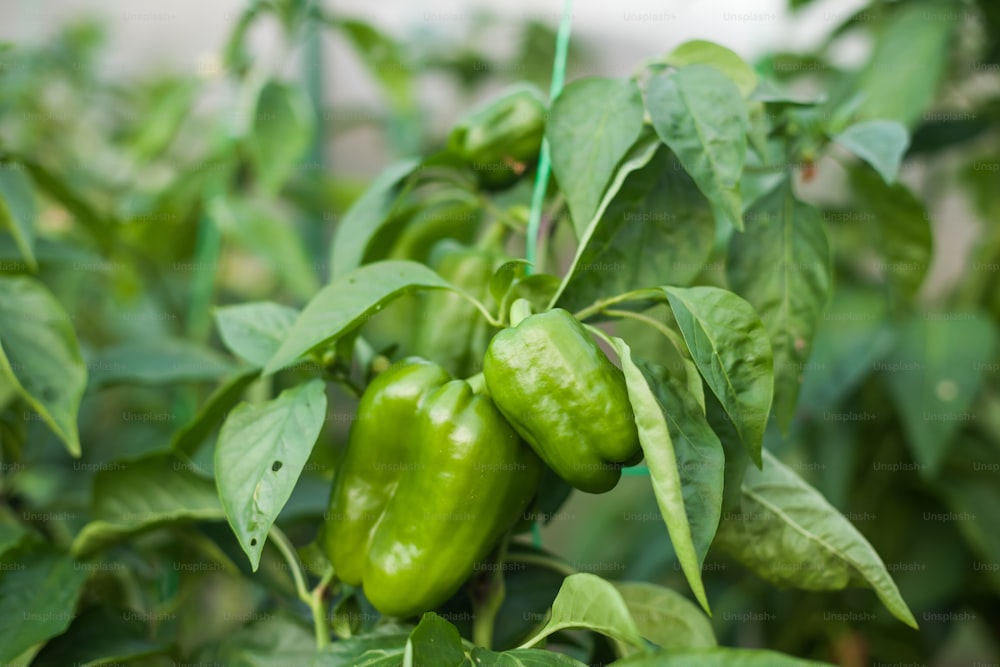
<point>434,641</point>
<point>721,657</point>
<point>348,302</point>
<point>17,210</point>
<point>522,657</point>
<point>278,640</point>
<point>910,59</point>
<point>593,123</point>
<point>933,375</point>
<point>39,588</point>
<point>505,276</point>
<point>658,230</point>
<point>254,331</point>
<point>730,347</point>
<point>902,231</point>
<point>99,637</point>
<point>699,113</point>
<point>781,265</point>
<point>662,460</point>
<point>136,496</point>
<point>667,618</point>
<point>880,143</point>
<point>188,438</point>
<point>259,456</point>
<point>708,53</point>
<point>280,134</point>
<point>589,602</point>
<point>366,217</point>
<point>40,356</point>
<point>386,60</point>
<point>156,362</point>
<point>788,533</point>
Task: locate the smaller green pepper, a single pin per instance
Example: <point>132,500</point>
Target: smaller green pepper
<point>499,139</point>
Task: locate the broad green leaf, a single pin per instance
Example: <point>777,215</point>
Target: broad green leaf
<point>505,276</point>
<point>638,157</point>
<point>100,637</point>
<point>278,640</point>
<point>348,302</point>
<point>658,230</point>
<point>781,265</point>
<point>880,143</point>
<point>189,437</point>
<point>854,334</point>
<point>383,648</point>
<point>589,602</point>
<point>522,657</point>
<point>667,618</point>
<point>136,496</point>
<point>254,331</point>
<point>280,134</point>
<point>593,123</point>
<point>259,456</point>
<point>156,362</point>
<point>730,347</point>
<point>39,588</point>
<point>699,453</point>
<point>910,59</point>
<point>12,533</point>
<point>788,533</point>
<point>662,460</point>
<point>933,375</point>
<point>721,657</point>
<point>699,51</point>
<point>699,113</point>
<point>17,210</point>
<point>365,218</point>
<point>39,354</point>
<point>902,231</point>
<point>434,641</point>
<point>163,112</point>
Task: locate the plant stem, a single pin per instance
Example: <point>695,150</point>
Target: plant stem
<point>313,599</point>
<point>656,324</point>
<point>599,306</point>
<point>486,612</point>
<point>542,561</point>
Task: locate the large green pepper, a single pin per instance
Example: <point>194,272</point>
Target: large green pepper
<point>449,329</point>
<point>432,477</point>
<point>498,139</point>
<point>565,398</point>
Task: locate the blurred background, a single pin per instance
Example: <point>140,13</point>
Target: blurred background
<point>144,120</point>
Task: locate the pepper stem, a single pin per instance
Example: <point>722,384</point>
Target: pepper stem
<point>519,310</point>
<point>477,382</point>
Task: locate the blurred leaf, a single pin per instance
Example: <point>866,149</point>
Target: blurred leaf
<point>667,618</point>
<point>592,124</point>
<point>386,61</point>
<point>259,457</point>
<point>382,648</point>
<point>902,76</point>
<point>156,362</point>
<point>39,588</point>
<point>880,143</point>
<point>255,331</point>
<point>701,52</point>
<point>348,301</point>
<point>700,114</point>
<point>721,657</point>
<point>587,601</point>
<point>281,131</point>
<point>135,496</point>
<point>522,658</point>
<point>781,265</point>
<point>17,210</point>
<point>212,411</point>
<point>932,136</point>
<point>434,641</point>
<point>788,533</point>
<point>99,637</point>
<point>278,640</point>
<point>658,230</point>
<point>366,217</point>
<point>40,355</point>
<point>933,375</point>
<point>168,104</point>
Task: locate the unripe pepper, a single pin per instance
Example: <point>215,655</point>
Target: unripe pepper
<point>564,397</point>
<point>499,138</point>
<point>432,477</point>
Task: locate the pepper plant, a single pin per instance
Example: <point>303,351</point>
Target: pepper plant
<point>366,472</point>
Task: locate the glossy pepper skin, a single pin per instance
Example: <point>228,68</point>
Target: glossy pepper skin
<point>496,139</point>
<point>564,397</point>
<point>449,329</point>
<point>432,478</point>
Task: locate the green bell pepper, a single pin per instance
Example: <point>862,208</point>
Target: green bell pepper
<point>565,398</point>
